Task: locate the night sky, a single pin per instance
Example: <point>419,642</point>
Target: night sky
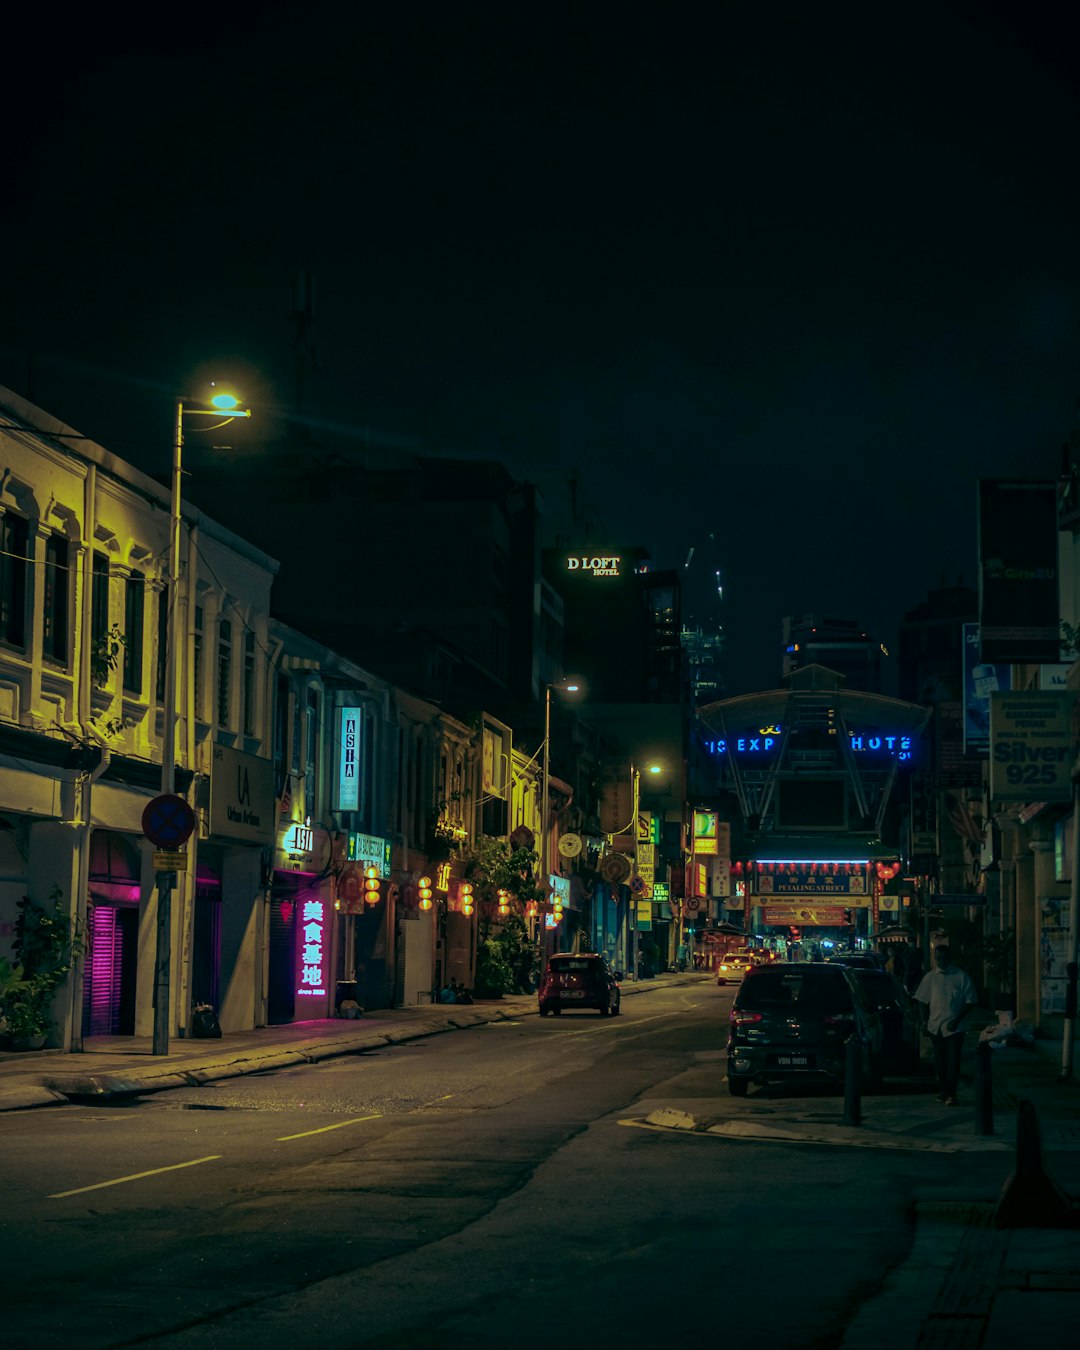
<point>777,282</point>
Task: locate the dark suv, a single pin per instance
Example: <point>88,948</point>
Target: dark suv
<point>579,980</point>
<point>792,1019</point>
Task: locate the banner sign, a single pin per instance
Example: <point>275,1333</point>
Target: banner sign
<point>370,850</point>
<point>705,833</point>
<point>831,916</point>
<point>242,801</point>
<point>1019,613</point>
<point>801,880</point>
<point>349,760</point>
<point>1032,746</point>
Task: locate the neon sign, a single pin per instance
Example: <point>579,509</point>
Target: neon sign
<point>858,743</point>
<point>599,567</point>
<point>349,759</point>
<point>312,950</point>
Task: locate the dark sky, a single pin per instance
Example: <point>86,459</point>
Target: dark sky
<point>778,282</point>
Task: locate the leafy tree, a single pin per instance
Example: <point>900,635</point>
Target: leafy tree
<point>506,958</point>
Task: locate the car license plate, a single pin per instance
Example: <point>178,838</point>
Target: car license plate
<point>792,1061</point>
<point>572,993</point>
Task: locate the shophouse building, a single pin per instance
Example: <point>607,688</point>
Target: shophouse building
<point>83,577</point>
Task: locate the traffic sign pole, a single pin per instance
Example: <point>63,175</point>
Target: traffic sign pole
<point>168,822</point>
<point>163,962</point>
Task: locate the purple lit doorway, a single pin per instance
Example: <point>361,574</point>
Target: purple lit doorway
<point>112,936</point>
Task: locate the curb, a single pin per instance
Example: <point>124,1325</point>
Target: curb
<point>57,1088</point>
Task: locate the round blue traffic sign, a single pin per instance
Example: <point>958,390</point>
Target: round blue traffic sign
<point>168,821</point>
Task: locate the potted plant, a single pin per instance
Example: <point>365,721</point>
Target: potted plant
<point>46,943</point>
<point>25,1017</point>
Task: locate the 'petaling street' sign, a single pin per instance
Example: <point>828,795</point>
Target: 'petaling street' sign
<point>599,567</point>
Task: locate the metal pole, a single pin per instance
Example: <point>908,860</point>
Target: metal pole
<point>163,953</point>
<point>544,852</point>
<point>1068,1039</point>
<point>633,893</point>
<point>162,963</point>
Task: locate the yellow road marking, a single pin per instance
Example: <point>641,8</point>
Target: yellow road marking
<point>135,1176</point>
<point>283,1138</point>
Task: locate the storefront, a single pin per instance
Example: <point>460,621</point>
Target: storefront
<point>110,963</point>
<point>300,985</point>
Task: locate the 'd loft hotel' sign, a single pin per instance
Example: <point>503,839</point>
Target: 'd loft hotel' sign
<point>598,566</point>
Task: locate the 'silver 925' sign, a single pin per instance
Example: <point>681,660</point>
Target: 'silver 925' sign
<point>1032,746</point>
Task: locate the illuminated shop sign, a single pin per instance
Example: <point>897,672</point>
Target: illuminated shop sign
<point>859,742</point>
<point>312,948</point>
<point>599,567</point>
<point>371,850</point>
<point>299,839</point>
<point>349,760</point>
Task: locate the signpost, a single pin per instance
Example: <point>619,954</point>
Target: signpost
<point>168,822</point>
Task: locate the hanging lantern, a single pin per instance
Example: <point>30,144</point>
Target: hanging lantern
<point>423,887</point>
<point>465,896</point>
<point>531,910</point>
<point>504,902</point>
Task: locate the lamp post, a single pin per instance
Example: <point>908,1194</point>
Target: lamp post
<point>227,407</point>
<point>567,686</point>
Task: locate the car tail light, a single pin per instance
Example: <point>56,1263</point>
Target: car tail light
<point>740,1018</point>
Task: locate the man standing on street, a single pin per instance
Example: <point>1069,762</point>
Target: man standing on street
<point>946,996</point>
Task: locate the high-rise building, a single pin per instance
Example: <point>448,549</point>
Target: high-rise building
<point>839,644</point>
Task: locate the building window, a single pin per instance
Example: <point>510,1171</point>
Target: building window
<point>162,642</point>
<point>56,620</point>
<point>99,599</point>
<point>249,683</point>
<point>14,535</point>
<point>134,607</point>
<point>224,671</point>
<point>311,747</point>
<point>198,663</point>
<point>281,728</point>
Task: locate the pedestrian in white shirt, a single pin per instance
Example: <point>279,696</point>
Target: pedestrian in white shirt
<point>946,996</point>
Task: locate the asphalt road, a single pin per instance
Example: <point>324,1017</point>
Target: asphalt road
<point>485,1188</point>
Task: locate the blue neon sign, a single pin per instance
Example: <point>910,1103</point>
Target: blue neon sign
<point>859,743</point>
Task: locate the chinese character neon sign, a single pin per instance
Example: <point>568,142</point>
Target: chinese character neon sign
<point>311,938</point>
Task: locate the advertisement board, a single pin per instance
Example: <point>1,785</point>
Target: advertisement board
<point>981,679</point>
<point>242,802</point>
<point>1032,746</point>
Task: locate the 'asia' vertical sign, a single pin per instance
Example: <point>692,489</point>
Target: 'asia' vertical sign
<point>349,760</point>
<point>311,956</point>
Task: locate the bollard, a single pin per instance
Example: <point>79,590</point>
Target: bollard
<point>984,1089</point>
<point>1031,1198</point>
<point>853,1081</point>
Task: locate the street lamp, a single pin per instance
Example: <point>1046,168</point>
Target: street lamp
<point>565,686</point>
<point>226,406</point>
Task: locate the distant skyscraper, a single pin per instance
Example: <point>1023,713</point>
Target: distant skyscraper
<point>840,644</point>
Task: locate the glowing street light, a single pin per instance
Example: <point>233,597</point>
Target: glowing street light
<point>225,405</point>
<point>564,686</point>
